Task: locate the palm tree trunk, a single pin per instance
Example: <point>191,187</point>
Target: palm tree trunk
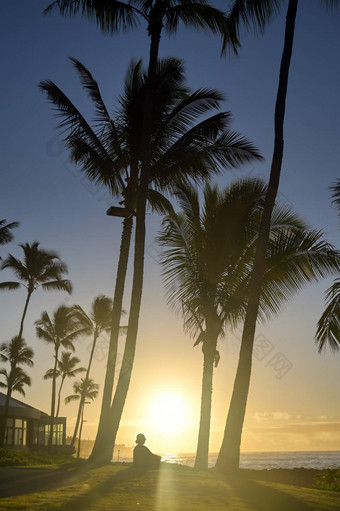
<point>229,455</point>
<point>102,432</point>
<point>5,415</point>
<point>202,451</point>
<point>29,294</point>
<point>59,393</point>
<point>80,408</point>
<point>82,398</point>
<point>103,449</point>
<point>95,337</point>
<point>53,397</point>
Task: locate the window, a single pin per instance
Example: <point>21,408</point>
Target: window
<point>41,434</point>
<point>16,432</point>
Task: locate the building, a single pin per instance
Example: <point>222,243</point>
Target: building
<point>28,427</point>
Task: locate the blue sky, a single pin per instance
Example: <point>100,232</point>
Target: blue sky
<point>58,207</point>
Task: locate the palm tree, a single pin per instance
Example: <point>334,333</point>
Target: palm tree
<point>67,368</point>
<point>181,148</point>
<point>328,331</point>
<point>6,236</point>
<point>256,14</point>
<point>207,265</point>
<point>39,268</point>
<point>15,380</point>
<point>60,331</point>
<point>113,16</point>
<point>87,388</point>
<point>15,353</point>
<point>98,321</point>
<point>84,389</point>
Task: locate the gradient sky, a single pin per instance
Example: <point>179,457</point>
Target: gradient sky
<point>296,410</point>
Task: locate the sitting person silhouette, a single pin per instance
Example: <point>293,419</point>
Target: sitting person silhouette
<point>142,456</point>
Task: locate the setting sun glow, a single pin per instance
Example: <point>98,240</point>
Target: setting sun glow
<point>169,412</point>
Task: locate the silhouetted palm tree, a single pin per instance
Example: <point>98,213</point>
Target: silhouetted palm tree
<point>256,14</point>
<point>15,353</point>
<point>39,268</point>
<point>60,331</point>
<point>84,389</point>
<point>67,368</point>
<point>98,321</point>
<point>208,260</point>
<point>159,15</point>
<point>328,331</point>
<point>15,380</point>
<point>181,148</point>
<point>87,388</point>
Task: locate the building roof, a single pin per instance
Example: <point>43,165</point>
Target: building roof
<point>20,408</point>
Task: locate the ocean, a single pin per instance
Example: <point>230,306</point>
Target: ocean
<point>267,460</point>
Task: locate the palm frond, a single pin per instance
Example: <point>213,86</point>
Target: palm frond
<point>159,203</point>
<point>6,236</point>
<point>252,15</point>
<point>328,331</point>
<point>58,285</point>
<point>10,286</point>
<point>196,14</point>
<point>110,15</point>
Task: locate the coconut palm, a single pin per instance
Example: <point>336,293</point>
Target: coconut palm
<point>15,380</point>
<point>98,321</point>
<point>328,331</point>
<point>60,331</point>
<point>181,148</point>
<point>207,262</point>
<point>87,388</point>
<point>256,14</point>
<point>113,16</point>
<point>39,268</point>
<point>67,368</point>
<point>15,353</point>
<point>6,235</point>
<point>84,389</point>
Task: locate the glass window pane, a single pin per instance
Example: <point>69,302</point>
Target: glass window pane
<point>18,423</point>
<point>9,423</point>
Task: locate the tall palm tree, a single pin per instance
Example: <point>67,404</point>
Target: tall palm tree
<point>39,268</point>
<point>15,353</point>
<point>207,265</point>
<point>328,331</point>
<point>60,331</point>
<point>98,321</point>
<point>256,14</point>
<point>182,148</point>
<point>67,368</point>
<point>159,15</point>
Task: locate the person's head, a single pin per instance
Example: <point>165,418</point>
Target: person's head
<point>140,439</point>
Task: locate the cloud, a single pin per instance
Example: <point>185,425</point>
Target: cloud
<point>276,416</point>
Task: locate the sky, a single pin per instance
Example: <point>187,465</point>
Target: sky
<point>294,396</point>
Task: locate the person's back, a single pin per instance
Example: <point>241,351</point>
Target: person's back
<point>143,458</point>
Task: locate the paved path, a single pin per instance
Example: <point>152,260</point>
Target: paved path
<point>18,481</point>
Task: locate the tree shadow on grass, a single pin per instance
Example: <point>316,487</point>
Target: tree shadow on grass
<point>109,485</point>
<point>265,498</point>
<point>16,481</point>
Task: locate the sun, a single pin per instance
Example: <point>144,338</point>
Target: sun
<point>169,412</point>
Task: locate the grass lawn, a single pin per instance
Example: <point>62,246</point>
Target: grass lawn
<point>172,488</point>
